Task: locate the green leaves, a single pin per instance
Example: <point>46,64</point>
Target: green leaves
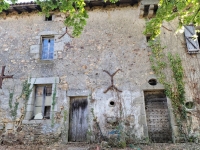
<point>75,10</point>
<point>173,83</point>
<point>3,5</point>
<point>187,12</point>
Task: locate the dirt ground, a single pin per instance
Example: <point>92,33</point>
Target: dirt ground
<point>57,146</point>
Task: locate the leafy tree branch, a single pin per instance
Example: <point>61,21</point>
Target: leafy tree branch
<point>187,12</point>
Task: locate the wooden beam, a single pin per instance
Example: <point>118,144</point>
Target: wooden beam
<point>26,8</point>
<point>17,10</point>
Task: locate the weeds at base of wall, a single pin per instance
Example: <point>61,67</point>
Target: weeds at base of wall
<point>118,137</point>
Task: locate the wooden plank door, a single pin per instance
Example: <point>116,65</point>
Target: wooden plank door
<point>78,119</point>
<point>157,114</point>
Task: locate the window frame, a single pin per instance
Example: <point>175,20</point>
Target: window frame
<point>49,37</point>
<point>30,104</point>
<point>44,98</point>
<point>189,32</point>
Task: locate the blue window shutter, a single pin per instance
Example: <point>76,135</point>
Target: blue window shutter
<point>51,53</point>
<point>45,49</point>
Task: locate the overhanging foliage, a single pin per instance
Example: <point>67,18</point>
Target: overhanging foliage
<point>187,12</point>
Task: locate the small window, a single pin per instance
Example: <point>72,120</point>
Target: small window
<point>47,48</point>
<point>43,100</point>
<point>192,40</point>
<point>49,18</point>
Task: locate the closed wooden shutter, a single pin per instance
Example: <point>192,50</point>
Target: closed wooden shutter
<point>191,41</point>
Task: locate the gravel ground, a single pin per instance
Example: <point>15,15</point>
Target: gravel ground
<point>57,146</point>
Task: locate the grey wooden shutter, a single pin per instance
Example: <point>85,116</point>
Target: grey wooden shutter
<point>191,41</point>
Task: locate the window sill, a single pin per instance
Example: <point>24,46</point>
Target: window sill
<point>36,121</point>
<point>50,61</point>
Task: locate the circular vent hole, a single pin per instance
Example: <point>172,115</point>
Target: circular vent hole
<point>152,81</point>
<point>189,105</point>
<point>112,103</point>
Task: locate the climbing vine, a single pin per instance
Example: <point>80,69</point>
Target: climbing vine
<point>53,106</point>
<point>13,109</point>
<point>174,86</point>
<point>25,94</point>
<point>173,83</point>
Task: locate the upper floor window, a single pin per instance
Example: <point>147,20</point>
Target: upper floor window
<point>192,39</point>
<point>47,48</point>
<point>49,18</point>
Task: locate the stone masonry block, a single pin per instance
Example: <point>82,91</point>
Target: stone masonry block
<point>49,80</point>
<point>44,33</point>
<point>34,49</point>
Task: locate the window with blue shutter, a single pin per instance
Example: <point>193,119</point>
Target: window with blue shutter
<point>47,48</point>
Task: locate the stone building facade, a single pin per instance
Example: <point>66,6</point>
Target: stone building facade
<point>90,87</point>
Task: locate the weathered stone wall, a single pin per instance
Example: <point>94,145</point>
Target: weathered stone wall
<point>31,134</point>
<point>111,40</point>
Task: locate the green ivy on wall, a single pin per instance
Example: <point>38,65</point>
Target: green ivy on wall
<point>25,94</point>
<point>173,83</point>
<point>53,106</point>
<point>13,109</point>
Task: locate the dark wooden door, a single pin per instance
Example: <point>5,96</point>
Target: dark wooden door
<point>78,119</point>
<point>157,117</point>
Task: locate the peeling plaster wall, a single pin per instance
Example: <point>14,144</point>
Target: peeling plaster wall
<point>111,40</point>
